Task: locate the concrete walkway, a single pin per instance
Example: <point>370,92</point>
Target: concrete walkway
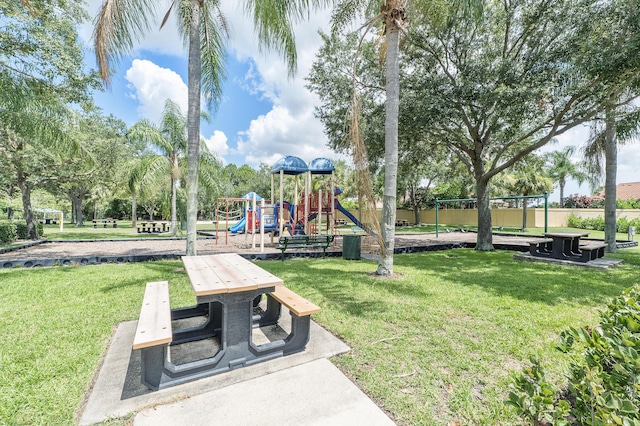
<point>300,389</point>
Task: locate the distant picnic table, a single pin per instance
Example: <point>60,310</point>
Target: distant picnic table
<point>154,227</point>
<point>104,223</point>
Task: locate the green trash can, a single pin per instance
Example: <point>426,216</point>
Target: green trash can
<point>183,225</point>
<point>351,247</point>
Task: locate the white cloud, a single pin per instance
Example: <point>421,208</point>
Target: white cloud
<point>153,85</point>
<point>290,127</point>
<point>217,143</point>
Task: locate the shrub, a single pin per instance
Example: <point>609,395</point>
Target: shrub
<point>574,221</point>
<point>8,231</point>
<point>21,229</point>
<point>604,373</point>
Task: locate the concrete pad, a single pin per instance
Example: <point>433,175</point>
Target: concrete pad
<point>315,393</point>
<point>118,392</point>
<point>601,263</point>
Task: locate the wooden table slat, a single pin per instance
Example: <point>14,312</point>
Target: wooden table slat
<point>231,276</point>
<point>255,273</point>
<point>203,279</point>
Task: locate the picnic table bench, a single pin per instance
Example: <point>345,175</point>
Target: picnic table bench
<point>226,286</point>
<point>105,223</point>
<point>304,241</point>
<point>591,251</point>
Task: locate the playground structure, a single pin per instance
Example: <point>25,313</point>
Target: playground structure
<point>313,211</point>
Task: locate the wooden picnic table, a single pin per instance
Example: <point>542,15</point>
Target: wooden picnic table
<point>226,288</point>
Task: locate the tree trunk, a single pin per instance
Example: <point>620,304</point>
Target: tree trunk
<point>27,211</point>
<point>9,208</point>
<point>611,168</point>
<point>174,214</point>
<point>134,211</point>
<point>385,263</point>
<point>76,202</point>
<point>484,241</point>
<point>416,206</point>
<point>561,185</point>
<point>524,214</point>
<point>193,126</point>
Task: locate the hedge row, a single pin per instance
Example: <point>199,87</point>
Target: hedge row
<point>11,230</point>
<point>597,223</point>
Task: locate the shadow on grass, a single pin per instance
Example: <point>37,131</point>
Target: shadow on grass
<point>499,274</point>
<point>352,289</point>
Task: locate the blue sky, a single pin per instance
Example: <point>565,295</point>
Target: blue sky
<point>264,115</point>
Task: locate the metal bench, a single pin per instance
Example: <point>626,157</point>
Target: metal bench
<point>592,251</point>
<point>304,241</point>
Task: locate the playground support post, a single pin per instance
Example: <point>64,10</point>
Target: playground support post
<point>253,222</point>
<point>262,209</point>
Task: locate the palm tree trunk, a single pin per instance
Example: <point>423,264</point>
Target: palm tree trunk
<point>174,215</point>
<point>524,214</point>
<point>134,211</point>
<point>611,168</point>
<point>561,185</point>
<point>385,263</point>
<point>193,126</point>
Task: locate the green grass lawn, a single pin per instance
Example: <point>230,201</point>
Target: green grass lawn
<point>436,345</point>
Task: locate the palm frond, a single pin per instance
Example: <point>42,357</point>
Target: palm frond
<point>214,34</point>
<point>145,131</point>
<point>273,22</point>
<point>118,25</point>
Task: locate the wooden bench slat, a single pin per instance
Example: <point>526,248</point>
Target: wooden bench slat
<point>296,303</point>
<point>154,325</point>
<point>593,246</point>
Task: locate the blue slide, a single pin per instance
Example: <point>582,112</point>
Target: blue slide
<point>352,218</point>
<point>238,226</point>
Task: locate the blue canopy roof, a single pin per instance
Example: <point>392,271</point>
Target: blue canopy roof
<point>321,166</point>
<point>249,196</point>
<point>291,165</point>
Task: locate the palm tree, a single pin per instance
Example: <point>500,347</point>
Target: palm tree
<point>170,140</point>
<point>527,180</point>
<point>394,16</point>
<point>204,27</point>
<point>620,127</point>
<point>561,168</point>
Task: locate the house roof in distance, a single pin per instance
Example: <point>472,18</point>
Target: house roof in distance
<point>625,191</point>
